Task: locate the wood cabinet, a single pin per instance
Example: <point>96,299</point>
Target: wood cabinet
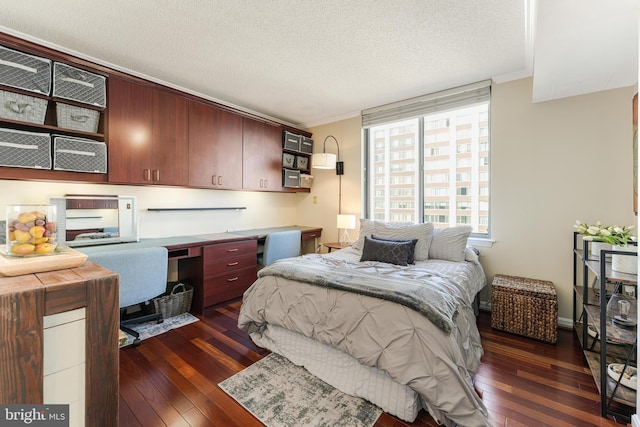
<point>170,139</point>
<point>215,147</point>
<point>88,294</point>
<point>156,135</point>
<point>35,112</point>
<point>261,156</point>
<point>147,135</point>
<point>92,203</point>
<point>228,269</point>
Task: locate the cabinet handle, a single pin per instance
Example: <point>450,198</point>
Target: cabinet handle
<point>219,179</point>
<point>232,250</point>
<point>231,264</point>
<point>261,182</point>
<point>233,279</point>
<point>156,175</point>
<point>266,183</point>
<point>213,179</point>
<point>146,175</point>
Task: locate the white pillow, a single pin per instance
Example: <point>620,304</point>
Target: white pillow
<point>398,230</point>
<point>366,230</point>
<point>449,243</point>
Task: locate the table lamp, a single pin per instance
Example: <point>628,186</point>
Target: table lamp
<point>346,222</point>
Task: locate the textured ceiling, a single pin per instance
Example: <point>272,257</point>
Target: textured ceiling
<point>305,62</point>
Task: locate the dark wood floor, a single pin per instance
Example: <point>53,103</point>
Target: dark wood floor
<point>172,379</point>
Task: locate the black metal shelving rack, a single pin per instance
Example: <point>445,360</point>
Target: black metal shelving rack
<point>594,307</point>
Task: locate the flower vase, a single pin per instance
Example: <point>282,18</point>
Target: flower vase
<point>625,263</point>
<point>596,247</point>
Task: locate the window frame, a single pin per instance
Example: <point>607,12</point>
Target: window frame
<point>420,163</point>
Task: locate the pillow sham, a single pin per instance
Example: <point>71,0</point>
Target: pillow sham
<point>366,229</point>
<point>449,244</point>
<point>412,248</point>
<point>389,252</point>
<point>402,230</point>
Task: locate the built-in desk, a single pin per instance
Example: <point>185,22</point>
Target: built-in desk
<point>219,266</point>
<point>308,233</point>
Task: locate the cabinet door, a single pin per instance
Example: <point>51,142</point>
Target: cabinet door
<point>215,147</point>
<point>81,204</point>
<point>262,156</point>
<point>170,139</point>
<point>130,119</point>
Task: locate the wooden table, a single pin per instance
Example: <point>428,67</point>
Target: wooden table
<point>335,245</point>
<point>26,300</point>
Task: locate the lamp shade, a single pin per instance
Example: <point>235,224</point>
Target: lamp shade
<point>323,161</point>
<point>347,221</point>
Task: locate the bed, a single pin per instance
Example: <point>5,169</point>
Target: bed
<point>372,324</point>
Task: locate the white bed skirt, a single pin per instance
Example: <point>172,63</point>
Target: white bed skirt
<point>342,371</point>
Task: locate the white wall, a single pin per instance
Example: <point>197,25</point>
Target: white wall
<point>326,183</point>
<point>551,164</point>
<point>263,209</point>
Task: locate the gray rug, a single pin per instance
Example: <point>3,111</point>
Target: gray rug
<point>281,394</point>
<point>151,329</point>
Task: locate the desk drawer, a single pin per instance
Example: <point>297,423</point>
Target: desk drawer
<point>224,265</point>
<point>224,287</point>
<point>311,234</point>
<point>229,250</point>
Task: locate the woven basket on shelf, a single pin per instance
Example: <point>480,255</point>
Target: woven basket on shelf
<point>175,301</point>
<point>524,306</point>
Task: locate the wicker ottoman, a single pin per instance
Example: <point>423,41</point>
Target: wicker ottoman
<point>525,307</point>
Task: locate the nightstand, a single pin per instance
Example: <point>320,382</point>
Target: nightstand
<point>335,245</point>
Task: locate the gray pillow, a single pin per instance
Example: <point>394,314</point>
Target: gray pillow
<point>412,248</point>
<point>389,252</point>
<point>449,243</point>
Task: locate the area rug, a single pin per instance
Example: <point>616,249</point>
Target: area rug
<point>281,394</point>
<point>151,329</point>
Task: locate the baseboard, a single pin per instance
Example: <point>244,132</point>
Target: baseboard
<point>563,322</point>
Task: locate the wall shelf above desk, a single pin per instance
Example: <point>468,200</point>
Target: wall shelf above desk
<point>237,208</point>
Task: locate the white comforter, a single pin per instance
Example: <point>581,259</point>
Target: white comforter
<point>383,334</point>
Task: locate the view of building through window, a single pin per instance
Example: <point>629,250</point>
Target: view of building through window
<point>432,169</point>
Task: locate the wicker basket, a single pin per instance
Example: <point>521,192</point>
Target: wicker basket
<point>175,301</point>
<point>523,306</point>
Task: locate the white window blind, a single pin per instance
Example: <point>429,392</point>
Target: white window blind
<point>427,104</point>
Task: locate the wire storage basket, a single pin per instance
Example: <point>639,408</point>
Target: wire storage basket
<point>177,300</point>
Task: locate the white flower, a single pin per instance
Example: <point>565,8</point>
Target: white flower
<point>593,230</point>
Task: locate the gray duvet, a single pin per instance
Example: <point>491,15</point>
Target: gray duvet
<point>383,334</point>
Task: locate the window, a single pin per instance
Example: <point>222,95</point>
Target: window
<point>428,159</point>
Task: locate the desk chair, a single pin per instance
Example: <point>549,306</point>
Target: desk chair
<point>143,276</point>
<point>283,244</point>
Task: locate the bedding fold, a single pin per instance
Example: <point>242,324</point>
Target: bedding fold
<point>431,296</point>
